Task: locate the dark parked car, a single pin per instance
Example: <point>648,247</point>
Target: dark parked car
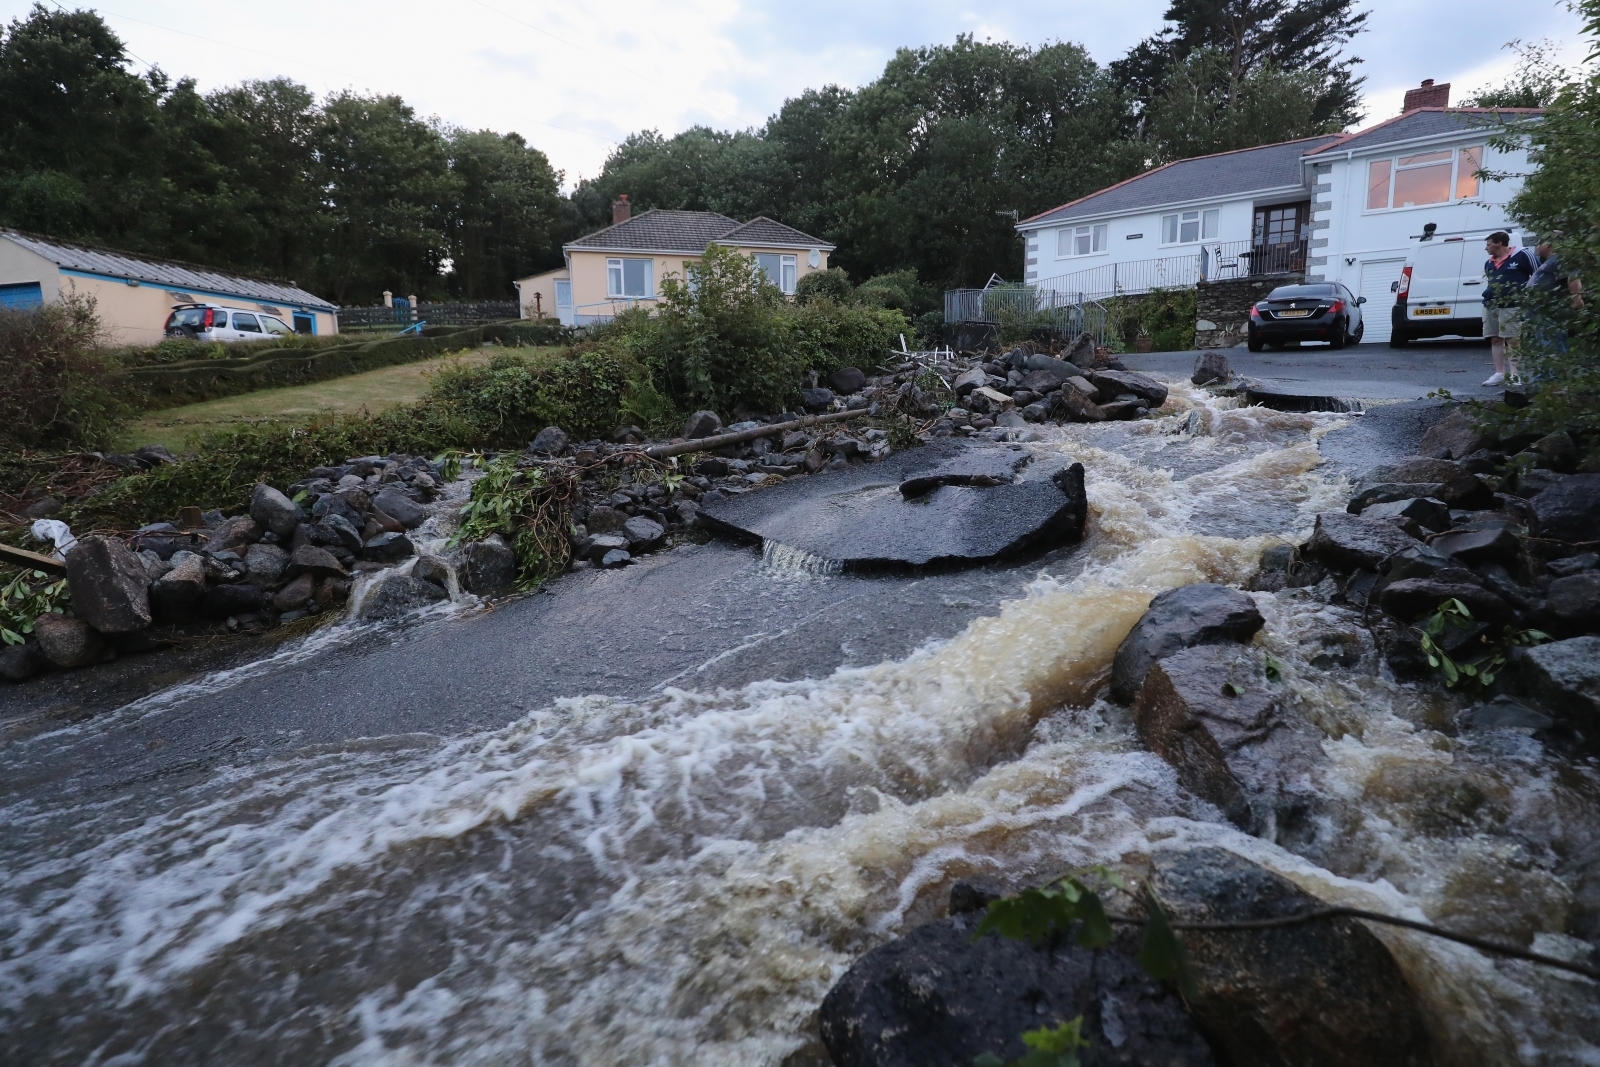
<point>1323,311</point>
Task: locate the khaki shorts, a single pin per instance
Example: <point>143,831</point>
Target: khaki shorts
<point>1502,322</point>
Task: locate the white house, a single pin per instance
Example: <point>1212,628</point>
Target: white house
<point>1338,207</point>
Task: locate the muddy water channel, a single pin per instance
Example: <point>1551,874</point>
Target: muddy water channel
<point>679,876</point>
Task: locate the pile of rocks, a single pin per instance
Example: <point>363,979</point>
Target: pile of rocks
<point>290,556</point>
<point>1024,385</point>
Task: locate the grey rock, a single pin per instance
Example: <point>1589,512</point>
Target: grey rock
<point>1047,369</point>
<point>1491,540</point>
<point>643,534</point>
<point>604,520</point>
<point>236,532</point>
<point>343,506</point>
<point>174,598</point>
<point>1569,511</point>
<point>970,380</point>
<point>1458,487</point>
<point>1073,405</point>
<point>42,508</point>
<point>333,530</point>
<point>1200,614</point>
<point>1430,514</point>
<point>274,511</point>
<point>154,566</point>
<point>1081,352</point>
<point>599,544</point>
<point>550,441</point>
<point>221,601</point>
<point>317,562</point>
<point>1037,411</point>
<point>18,663</point>
<point>817,400</point>
<point>401,508</point>
<point>1121,410</point>
<point>67,642</point>
<point>702,424</point>
<point>489,566</point>
<point>389,547</point>
<point>1556,451</point>
<point>395,595</point>
<point>1575,601</point>
<point>1010,419</point>
<point>432,569</point>
<point>1412,598</point>
<point>1503,713</point>
<point>1391,492</point>
<point>1534,481</point>
<point>153,455</point>
<point>847,380</point>
<point>616,557</point>
<point>264,564</point>
<point>1349,542</point>
<point>1456,436</point>
<point>1565,676</point>
<point>1561,568</point>
<point>296,594</point>
<point>108,585</point>
<point>1212,714</point>
<point>1316,994</point>
<point>1111,384</point>
<point>937,997</point>
<point>1210,367</point>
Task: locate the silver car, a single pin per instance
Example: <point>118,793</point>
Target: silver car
<point>215,322</point>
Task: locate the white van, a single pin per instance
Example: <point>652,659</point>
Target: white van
<point>216,322</point>
<point>1440,291</point>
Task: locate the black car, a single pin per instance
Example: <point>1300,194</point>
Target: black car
<point>1323,311</point>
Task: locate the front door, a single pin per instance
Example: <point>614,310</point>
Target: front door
<point>1280,238</point>
<point>564,303</point>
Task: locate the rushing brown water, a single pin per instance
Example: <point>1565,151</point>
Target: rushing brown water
<point>680,880</point>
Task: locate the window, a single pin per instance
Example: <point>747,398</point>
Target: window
<point>277,327</point>
<point>628,277</point>
<point>1081,240</point>
<point>1423,178</point>
<point>1190,226</point>
<point>245,323</point>
<point>780,270</point>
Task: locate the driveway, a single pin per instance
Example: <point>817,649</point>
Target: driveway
<point>1366,372</point>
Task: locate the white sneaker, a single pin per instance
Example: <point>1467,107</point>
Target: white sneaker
<point>1495,379</point>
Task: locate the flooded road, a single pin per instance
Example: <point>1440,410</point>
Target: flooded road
<point>648,818</point>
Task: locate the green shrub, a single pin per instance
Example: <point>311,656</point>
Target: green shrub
<point>1168,316</point>
<point>831,284</point>
<point>537,334</point>
<point>55,386</point>
<point>826,335</point>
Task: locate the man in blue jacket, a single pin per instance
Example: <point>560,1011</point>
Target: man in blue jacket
<point>1507,271</point>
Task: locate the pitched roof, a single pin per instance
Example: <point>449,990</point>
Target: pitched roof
<point>1246,170</point>
<point>167,272</point>
<point>660,230</point>
<point>1428,122</point>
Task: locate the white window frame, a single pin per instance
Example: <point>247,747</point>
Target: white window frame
<point>1456,154</point>
<point>1207,223</point>
<point>1076,242</point>
<point>788,271</point>
<point>617,281</point>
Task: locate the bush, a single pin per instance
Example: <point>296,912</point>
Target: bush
<point>55,388</point>
<point>831,284</point>
<point>1168,316</point>
<point>826,336</point>
<point>537,334</point>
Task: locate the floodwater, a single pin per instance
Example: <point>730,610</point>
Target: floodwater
<point>678,879</point>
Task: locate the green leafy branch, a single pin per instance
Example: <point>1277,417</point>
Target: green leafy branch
<point>1478,673</point>
<point>1055,1046</point>
<point>531,507</point>
<point>26,597</point>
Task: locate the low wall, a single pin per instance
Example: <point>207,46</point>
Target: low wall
<point>1222,308</point>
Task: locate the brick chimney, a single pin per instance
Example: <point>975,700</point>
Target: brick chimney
<point>1426,95</point>
<point>622,211</point>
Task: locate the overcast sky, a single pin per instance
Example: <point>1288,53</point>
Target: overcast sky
<point>576,78</point>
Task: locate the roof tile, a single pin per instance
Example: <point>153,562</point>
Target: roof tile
<point>660,230</point>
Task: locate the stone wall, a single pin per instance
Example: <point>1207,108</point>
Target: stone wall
<point>1222,308</point>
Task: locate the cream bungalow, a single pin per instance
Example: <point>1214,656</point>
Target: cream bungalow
<point>134,294</point>
<point>622,266</point>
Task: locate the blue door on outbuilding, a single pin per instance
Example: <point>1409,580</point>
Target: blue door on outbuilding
<point>21,296</point>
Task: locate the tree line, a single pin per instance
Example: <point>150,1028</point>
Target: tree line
<point>925,168</point>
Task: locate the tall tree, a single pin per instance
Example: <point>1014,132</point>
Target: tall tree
<point>505,221</point>
<point>1206,107</point>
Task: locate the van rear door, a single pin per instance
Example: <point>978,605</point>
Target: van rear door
<point>1435,281</point>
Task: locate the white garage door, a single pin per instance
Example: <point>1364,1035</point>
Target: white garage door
<point>1377,276</point>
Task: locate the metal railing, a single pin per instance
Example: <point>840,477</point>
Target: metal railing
<point>1220,260</point>
<point>465,313</point>
<point>1213,261</point>
<point>1030,307</point>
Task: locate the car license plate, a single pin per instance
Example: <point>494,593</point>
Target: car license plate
<point>1300,314</point>
<point>1430,311</point>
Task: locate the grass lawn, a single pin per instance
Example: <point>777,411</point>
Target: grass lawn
<point>373,391</point>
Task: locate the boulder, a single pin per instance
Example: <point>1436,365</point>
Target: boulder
<point>380,522</point>
<point>847,380</point>
<point>702,424</point>
<point>395,595</point>
<point>175,596</point>
<point>817,400</point>
<point>1428,513</point>
<point>488,566</point>
<point>1555,452</point>
<point>317,562</point>
<point>401,508</point>
<point>18,663</point>
<point>1111,384</point>
<point>1532,482</point>
<point>109,585</point>
<point>1411,598</point>
<point>1081,351</point>
<point>1211,712</point>
<point>1391,492</point>
<point>274,511</point>
<point>550,441</point>
<point>1210,367</point>
<point>294,595</point>
<point>432,569</point>
<point>1201,614</point>
<point>1073,405</point>
<point>1488,541</point>
<point>1041,381</point>
<point>1565,676</point>
<point>349,506</point>
<point>935,996</point>
<point>1575,601</point>
<point>1347,542</point>
<point>1584,561</point>
<point>264,564</point>
<point>604,520</point>
<point>336,530</point>
<point>1122,410</point>
<point>1457,486</point>
<point>986,400</point>
<point>643,534</point>
<point>1569,511</point>
<point>67,642</point>
<point>1455,436</point>
<point>388,547</point>
<point>1047,370</point>
<point>970,380</point>
<point>221,601</point>
<point>1316,994</point>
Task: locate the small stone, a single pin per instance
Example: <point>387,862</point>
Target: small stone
<point>264,564</point>
<point>1210,367</point>
<point>550,441</point>
<point>970,380</point>
<point>847,380</point>
<point>42,508</point>
<point>274,511</point>
<point>18,663</point>
<point>395,595</point>
<point>318,562</point>
<point>702,424</point>
<point>616,557</point>
<point>712,467</point>
<point>432,569</point>
<point>600,544</point>
<point>109,585</point>
<point>336,530</point>
<point>489,566</point>
<point>294,595</point>
<point>394,503</point>
<point>388,547</point>
<point>67,642</point>
<point>643,534</point>
<point>173,599</point>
